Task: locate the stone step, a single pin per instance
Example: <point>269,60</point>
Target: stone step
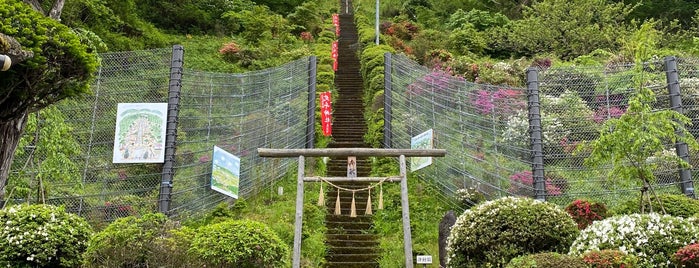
<point>352,265</point>
<point>352,250</point>
<point>346,219</point>
<point>353,243</point>
<point>353,257</point>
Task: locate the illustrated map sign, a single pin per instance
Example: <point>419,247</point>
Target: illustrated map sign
<point>139,136</point>
<point>225,173</point>
<point>422,141</point>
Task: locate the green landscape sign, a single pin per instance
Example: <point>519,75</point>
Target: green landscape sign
<point>422,141</point>
<point>225,173</point>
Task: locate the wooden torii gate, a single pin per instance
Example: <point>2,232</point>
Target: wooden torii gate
<point>351,154</point>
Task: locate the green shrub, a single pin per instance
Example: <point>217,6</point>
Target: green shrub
<point>42,236</point>
<point>675,204</point>
<point>126,241</point>
<point>653,238</point>
<point>609,258</point>
<point>243,243</point>
<point>546,260</point>
<point>494,232</point>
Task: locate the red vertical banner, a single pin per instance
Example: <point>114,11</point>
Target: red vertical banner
<point>334,55</point>
<point>326,113</point>
<point>336,23</point>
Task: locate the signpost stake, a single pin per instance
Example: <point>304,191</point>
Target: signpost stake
<point>298,224</point>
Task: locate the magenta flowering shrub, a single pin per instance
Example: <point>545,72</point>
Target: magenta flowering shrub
<point>522,183</point>
<point>687,256</point>
<point>585,212</point>
<point>503,101</point>
<point>436,82</point>
<point>602,113</point>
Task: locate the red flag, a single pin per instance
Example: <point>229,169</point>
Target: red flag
<point>326,113</point>
<point>335,49</point>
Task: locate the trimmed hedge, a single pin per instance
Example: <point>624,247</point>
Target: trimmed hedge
<point>243,243</point>
<point>494,232</point>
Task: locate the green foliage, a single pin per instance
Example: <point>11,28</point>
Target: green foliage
<point>242,243</point>
<point>467,39</point>
<point>426,209</point>
<point>478,19</point>
<point>62,66</point>
<point>42,236</point>
<point>675,204</point>
<point>126,241</point>
<point>494,232</point>
<point>51,150</point>
<point>118,24</point>
<point>256,24</point>
<point>641,133</point>
<point>188,16</point>
<point>588,25</point>
<point>281,6</point>
<point>609,258</point>
<point>653,238</point>
<point>546,260</point>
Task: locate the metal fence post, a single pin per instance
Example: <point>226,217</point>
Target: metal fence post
<point>537,154</point>
<point>681,148</point>
<point>311,122</point>
<point>387,101</point>
<point>173,108</point>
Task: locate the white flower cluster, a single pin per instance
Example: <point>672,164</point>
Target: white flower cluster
<point>653,238</point>
<point>32,233</point>
<point>517,130</point>
<point>689,86</point>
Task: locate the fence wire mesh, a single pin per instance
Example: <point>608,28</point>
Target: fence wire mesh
<point>90,184</point>
<point>689,88</point>
<point>236,112</point>
<point>486,128</point>
<point>469,120</point>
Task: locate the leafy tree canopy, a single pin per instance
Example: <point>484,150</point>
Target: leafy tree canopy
<point>62,65</point>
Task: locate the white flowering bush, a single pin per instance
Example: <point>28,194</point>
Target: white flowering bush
<point>494,232</point>
<point>42,236</point>
<point>653,238</point>
<point>469,197</point>
<point>517,129</point>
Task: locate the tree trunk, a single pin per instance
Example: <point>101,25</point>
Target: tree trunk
<point>54,13</point>
<point>10,133</point>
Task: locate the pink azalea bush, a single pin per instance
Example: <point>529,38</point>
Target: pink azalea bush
<point>687,256</point>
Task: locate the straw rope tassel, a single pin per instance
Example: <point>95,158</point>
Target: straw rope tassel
<point>337,203</point>
<point>353,208</point>
<point>368,204</point>
<point>381,196</point>
<point>321,196</point>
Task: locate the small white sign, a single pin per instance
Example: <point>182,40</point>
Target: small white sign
<point>424,259</point>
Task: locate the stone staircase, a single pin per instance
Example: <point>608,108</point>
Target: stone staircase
<point>350,241</point>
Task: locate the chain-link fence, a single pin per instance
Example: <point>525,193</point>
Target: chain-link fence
<point>473,122</point>
<point>487,129</point>
<point>236,112</point>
